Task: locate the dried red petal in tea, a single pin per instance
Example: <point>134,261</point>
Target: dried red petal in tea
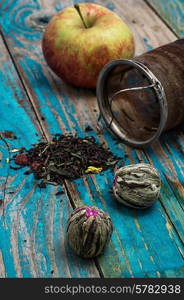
<point>21,159</point>
<point>35,165</point>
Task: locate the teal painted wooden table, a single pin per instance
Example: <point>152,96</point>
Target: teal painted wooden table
<point>34,104</point>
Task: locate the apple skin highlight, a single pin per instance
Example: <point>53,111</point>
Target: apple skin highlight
<point>77,54</point>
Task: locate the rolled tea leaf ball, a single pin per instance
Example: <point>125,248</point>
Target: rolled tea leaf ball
<point>89,230</point>
<point>137,185</point>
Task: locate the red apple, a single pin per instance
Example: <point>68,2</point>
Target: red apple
<point>79,41</point>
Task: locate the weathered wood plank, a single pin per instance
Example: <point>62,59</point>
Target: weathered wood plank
<point>133,251</point>
<point>172,12</point>
<point>32,220</point>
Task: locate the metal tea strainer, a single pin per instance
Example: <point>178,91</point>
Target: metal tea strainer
<point>138,99</point>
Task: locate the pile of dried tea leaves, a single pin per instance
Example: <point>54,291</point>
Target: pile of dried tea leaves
<point>66,157</point>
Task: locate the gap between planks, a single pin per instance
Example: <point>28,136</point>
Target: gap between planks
<point>151,6</point>
<point>45,135</point>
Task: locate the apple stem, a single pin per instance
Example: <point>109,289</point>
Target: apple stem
<point>77,7</point>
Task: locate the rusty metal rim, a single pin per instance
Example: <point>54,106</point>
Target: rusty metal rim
<point>105,107</point>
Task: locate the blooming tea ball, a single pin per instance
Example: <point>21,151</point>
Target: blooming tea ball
<point>137,185</point>
<point>89,230</point>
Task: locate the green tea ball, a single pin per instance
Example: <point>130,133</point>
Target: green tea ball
<point>137,185</point>
<point>89,230</point>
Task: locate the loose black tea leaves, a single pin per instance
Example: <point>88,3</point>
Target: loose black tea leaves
<point>65,157</point>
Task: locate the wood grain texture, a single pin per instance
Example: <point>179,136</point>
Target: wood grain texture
<point>32,220</point>
<point>145,243</point>
<point>172,11</point>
